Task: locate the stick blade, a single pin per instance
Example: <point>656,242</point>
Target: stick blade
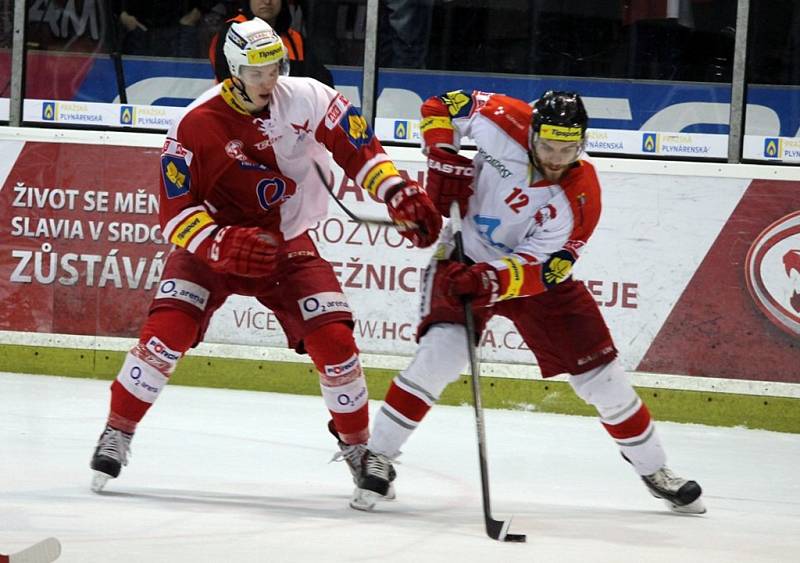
<point>45,551</point>
<point>498,530</point>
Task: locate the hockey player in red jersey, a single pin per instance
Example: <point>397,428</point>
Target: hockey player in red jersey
<point>238,196</point>
<point>530,201</point>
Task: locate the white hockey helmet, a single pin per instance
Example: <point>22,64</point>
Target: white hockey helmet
<point>254,43</point>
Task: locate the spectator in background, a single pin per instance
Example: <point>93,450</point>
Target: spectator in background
<point>214,18</point>
<point>404,33</point>
<point>278,15</point>
<point>164,29</point>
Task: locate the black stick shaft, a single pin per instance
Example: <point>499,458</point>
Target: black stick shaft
<point>328,182</point>
<point>495,529</point>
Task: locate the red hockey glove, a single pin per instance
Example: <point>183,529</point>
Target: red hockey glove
<point>449,179</point>
<point>245,251</point>
<point>414,214</point>
<point>478,283</point>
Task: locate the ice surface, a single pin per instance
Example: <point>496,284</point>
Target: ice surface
<point>236,476</point>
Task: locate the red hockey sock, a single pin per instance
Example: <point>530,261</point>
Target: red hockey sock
<point>631,427</point>
<point>410,406</point>
<point>165,336</point>
<point>333,350</point>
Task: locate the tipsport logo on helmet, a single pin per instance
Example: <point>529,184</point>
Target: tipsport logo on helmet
<point>265,55</point>
<point>772,273</point>
<point>560,133</point>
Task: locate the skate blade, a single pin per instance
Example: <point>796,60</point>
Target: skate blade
<point>390,494</point>
<point>694,507</point>
<point>99,481</point>
<point>363,499</point>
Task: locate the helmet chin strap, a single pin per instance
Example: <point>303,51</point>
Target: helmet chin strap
<point>239,85</point>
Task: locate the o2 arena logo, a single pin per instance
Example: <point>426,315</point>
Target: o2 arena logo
<point>772,270</point>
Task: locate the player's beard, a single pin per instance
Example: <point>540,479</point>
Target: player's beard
<point>553,173</point>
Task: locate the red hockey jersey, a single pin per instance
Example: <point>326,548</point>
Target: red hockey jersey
<point>221,165</point>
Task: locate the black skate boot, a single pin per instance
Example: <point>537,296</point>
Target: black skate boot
<point>353,456</point>
<point>374,482</point>
<point>109,456</point>
<point>679,494</point>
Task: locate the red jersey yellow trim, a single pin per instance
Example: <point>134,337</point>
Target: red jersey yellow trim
<point>189,227</point>
<point>377,175</point>
<point>230,98</point>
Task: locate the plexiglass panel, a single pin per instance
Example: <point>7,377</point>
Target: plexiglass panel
<point>655,75</point>
<point>773,88</point>
<point>136,64</point>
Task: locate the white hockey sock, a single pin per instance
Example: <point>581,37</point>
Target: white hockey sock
<point>623,414</point>
<point>390,430</point>
<point>440,358</point>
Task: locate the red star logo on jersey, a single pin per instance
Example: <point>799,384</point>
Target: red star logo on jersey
<point>301,129</point>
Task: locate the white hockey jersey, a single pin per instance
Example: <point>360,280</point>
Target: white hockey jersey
<point>531,230</point>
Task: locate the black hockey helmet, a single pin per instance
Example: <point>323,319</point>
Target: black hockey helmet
<point>559,116</point>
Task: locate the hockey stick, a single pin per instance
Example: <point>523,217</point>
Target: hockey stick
<point>496,529</point>
<point>329,186</point>
<point>44,551</point>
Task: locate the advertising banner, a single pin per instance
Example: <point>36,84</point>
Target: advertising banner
<point>665,119</point>
<point>694,275</point>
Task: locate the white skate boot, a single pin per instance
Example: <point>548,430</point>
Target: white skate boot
<point>679,494</point>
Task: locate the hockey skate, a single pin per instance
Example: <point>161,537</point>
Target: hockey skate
<point>109,456</point>
<point>374,483</point>
<point>350,454</point>
<point>678,494</point>
<point>353,455</point>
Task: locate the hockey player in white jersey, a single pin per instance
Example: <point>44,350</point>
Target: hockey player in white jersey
<point>530,201</point>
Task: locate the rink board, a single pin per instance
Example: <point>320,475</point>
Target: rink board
<point>695,266</point>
